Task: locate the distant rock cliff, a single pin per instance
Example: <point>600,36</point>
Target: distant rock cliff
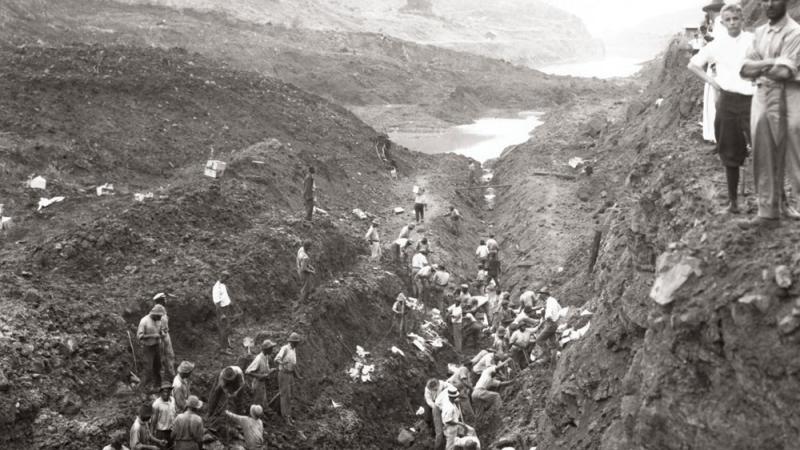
<point>530,33</point>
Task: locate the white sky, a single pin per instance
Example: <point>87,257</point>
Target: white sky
<point>601,15</point>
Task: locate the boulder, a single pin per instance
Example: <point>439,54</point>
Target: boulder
<point>672,271</point>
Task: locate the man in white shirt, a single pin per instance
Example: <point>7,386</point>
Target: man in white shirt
<point>773,63</point>
<point>732,121</point>
<point>286,359</point>
<point>482,395</point>
<point>420,203</point>
<point>422,282</point>
<point>492,244</point>
<point>164,413</point>
<point>456,314</point>
<point>451,417</point>
<point>304,270</point>
<point>439,282</point>
<point>405,232</point>
<point>545,337</point>
<point>435,396</point>
<point>418,261</point>
<point>482,252</point>
<point>219,295</point>
<point>374,240</point>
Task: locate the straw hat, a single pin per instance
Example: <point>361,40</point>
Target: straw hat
<point>294,337</point>
<point>193,402</point>
<point>452,392</point>
<point>267,344</point>
<point>158,310</point>
<point>185,367</point>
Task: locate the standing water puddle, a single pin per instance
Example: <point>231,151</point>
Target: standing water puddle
<point>482,140</point>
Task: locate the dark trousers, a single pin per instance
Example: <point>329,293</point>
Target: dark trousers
<point>419,211</point>
<point>309,208</point>
<point>305,281</point>
<point>151,365</point>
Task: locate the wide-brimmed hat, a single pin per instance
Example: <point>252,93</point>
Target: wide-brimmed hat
<point>294,337</point>
<point>714,5</point>
<point>185,367</point>
<point>193,402</point>
<point>256,410</point>
<point>165,385</point>
<point>228,374</point>
<point>452,392</point>
<point>375,222</point>
<point>267,344</point>
<point>160,295</point>
<point>158,310</point>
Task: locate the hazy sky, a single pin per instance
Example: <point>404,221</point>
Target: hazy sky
<point>601,15</point>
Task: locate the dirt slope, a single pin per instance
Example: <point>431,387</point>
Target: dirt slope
<point>79,274</point>
<point>352,69</point>
<point>713,369</point>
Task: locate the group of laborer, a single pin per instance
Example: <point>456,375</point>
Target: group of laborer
<point>456,404</point>
<point>756,79</point>
<point>175,418</point>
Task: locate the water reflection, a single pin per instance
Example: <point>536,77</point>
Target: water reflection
<point>482,140</point>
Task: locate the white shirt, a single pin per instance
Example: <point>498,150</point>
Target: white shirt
<point>552,309</point>
<point>219,294</point>
<point>419,197</point>
<point>372,234</point>
<point>405,233</point>
<point>432,397</point>
<point>302,260</point>
<point>419,261</point>
<point>456,313</point>
<point>286,358</point>
<point>728,53</point>
<point>487,381</point>
<point>482,251</point>
<point>486,361</point>
<point>425,272</point>
<point>164,413</point>
<point>491,244</point>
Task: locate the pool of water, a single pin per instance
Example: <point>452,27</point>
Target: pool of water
<point>611,67</point>
<point>481,140</point>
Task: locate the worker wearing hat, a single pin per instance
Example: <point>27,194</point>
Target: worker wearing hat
<point>164,412</point>
<point>167,353</point>
<point>258,371</point>
<point>451,417</point>
<point>374,240</point>
<point>187,431</point>
<point>251,426</point>
<point>181,386</point>
<point>228,386</point>
<point>287,372</point>
<point>149,334</point>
